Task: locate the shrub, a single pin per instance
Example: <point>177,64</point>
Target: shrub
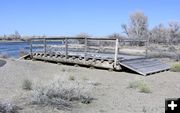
<point>175,67</point>
<point>27,84</point>
<point>61,94</point>
<point>144,88</point>
<point>71,77</point>
<point>172,49</point>
<point>141,85</point>
<point>9,107</point>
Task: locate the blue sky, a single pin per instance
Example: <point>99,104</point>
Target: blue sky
<point>70,17</point>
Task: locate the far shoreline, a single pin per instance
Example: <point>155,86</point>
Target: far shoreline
<point>6,41</point>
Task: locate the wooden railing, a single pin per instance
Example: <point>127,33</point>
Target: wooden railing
<point>85,40</point>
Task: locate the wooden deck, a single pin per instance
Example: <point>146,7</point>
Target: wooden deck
<point>114,61</point>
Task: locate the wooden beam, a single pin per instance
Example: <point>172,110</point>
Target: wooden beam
<point>72,38</point>
<point>85,50</point>
<point>116,53</point>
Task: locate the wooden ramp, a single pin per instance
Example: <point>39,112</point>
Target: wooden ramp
<point>145,66</point>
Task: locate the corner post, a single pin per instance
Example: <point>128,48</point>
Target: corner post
<point>85,50</point>
<point>116,53</point>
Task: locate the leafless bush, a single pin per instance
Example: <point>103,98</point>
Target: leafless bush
<point>27,84</point>
<point>9,107</point>
<point>71,77</point>
<point>61,94</point>
<point>141,85</point>
<point>172,49</point>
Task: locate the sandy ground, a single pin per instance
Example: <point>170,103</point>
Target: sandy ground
<point>112,95</point>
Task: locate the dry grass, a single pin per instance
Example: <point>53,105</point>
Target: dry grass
<point>9,107</point>
<point>61,94</point>
<point>175,67</point>
<point>140,85</point>
<point>85,78</point>
<point>71,77</point>
<point>27,84</point>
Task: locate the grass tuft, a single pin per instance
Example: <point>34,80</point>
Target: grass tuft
<point>27,84</point>
<point>175,67</point>
<point>71,77</point>
<point>141,85</point>
<point>61,94</point>
<point>9,107</point>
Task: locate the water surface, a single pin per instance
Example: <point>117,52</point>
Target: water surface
<point>12,49</point>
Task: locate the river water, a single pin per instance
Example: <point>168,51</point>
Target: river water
<point>12,49</point>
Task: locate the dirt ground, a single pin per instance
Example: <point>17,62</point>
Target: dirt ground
<point>112,94</point>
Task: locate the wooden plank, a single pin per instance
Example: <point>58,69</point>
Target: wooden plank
<point>63,38</point>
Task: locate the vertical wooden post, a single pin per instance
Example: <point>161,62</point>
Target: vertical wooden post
<point>45,46</point>
<point>31,47</point>
<point>85,49</point>
<point>147,43</point>
<point>116,52</point>
<point>66,48</point>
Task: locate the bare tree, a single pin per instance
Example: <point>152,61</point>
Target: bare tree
<point>137,27</point>
<point>159,34</point>
<point>116,36</point>
<point>16,35</point>
<point>174,31</point>
<point>166,35</point>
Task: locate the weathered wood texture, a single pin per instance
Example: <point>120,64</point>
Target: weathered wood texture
<point>145,66</point>
<point>100,59</point>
